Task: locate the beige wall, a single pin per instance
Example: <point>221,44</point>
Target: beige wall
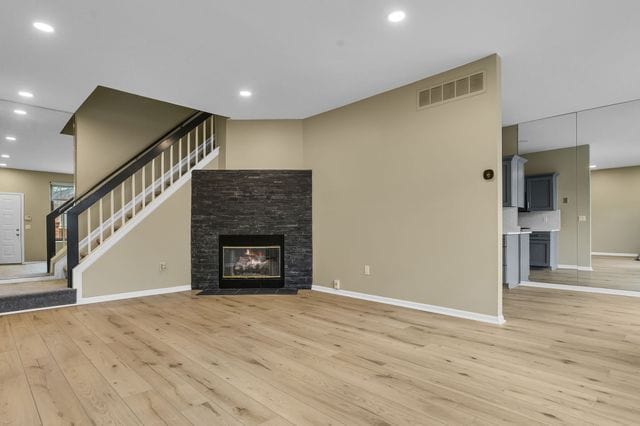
<point>401,190</point>
<point>112,127</point>
<point>264,144</point>
<point>133,263</point>
<point>615,201</point>
<point>36,189</point>
<point>574,184</point>
<point>510,140</point>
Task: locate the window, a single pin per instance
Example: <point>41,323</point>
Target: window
<point>60,193</point>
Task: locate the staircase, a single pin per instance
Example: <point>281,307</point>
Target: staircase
<point>99,217</point>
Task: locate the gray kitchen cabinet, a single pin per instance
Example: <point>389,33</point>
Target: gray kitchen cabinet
<point>524,257</point>
<point>513,181</point>
<point>542,192</point>
<point>543,247</point>
<point>511,260</point>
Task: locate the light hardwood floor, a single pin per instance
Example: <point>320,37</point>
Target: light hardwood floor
<point>562,357</point>
<point>620,273</point>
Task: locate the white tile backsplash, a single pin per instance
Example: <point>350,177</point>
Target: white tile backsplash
<point>540,221</point>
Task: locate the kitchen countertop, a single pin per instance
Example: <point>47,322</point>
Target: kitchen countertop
<point>516,232</point>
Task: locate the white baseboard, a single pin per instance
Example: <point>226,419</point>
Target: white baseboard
<point>583,289</point>
<point>132,294</point>
<point>576,267</point>
<point>414,305</point>
<point>600,253</point>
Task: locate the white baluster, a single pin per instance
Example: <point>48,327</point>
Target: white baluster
<point>144,188</point>
<point>100,220</point>
<point>171,162</point>
<point>188,151</point>
<point>89,230</point>
<point>113,220</point>
<point>162,172</point>
<point>153,179</point>
<point>180,156</point>
<point>204,138</point>
<point>213,133</point>
<point>133,195</point>
<point>122,209</point>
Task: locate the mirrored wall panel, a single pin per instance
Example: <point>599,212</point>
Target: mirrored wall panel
<point>36,176</point>
<point>612,134</point>
<point>580,207</point>
<point>549,188</point>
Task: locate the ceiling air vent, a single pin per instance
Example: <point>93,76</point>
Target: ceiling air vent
<point>451,90</point>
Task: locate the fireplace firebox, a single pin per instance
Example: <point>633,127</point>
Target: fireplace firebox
<point>251,261</point>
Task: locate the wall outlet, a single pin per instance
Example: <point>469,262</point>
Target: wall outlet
<point>163,266</point>
<point>27,226</point>
<point>367,270</point>
<point>582,218</point>
<point>336,284</point>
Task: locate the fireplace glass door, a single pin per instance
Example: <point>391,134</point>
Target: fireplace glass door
<point>251,262</point>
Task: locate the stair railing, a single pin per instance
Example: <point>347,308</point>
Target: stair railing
<point>104,210</point>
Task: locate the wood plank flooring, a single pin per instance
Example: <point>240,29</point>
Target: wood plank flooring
<point>314,358</point>
<point>620,273</point>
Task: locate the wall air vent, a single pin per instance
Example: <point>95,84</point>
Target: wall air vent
<point>451,90</point>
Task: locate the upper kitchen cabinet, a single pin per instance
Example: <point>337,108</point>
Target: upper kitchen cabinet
<point>513,182</point>
<point>542,193</point>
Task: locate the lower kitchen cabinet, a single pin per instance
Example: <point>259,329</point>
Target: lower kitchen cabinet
<point>515,259</point>
<point>544,250</point>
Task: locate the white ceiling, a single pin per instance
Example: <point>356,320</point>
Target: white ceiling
<point>302,57</point>
<point>39,144</point>
<point>612,132</point>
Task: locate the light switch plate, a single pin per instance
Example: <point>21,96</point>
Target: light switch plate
<point>582,218</point>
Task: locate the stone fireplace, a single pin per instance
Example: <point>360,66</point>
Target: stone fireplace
<point>251,231</point>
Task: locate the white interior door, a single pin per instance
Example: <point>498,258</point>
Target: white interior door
<point>10,228</point>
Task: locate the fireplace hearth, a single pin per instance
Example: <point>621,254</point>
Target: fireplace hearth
<point>251,261</point>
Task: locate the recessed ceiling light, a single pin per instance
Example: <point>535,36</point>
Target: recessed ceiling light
<point>5,156</point>
<point>20,112</point>
<point>593,166</point>
<point>3,164</point>
<point>245,93</point>
<point>25,94</point>
<point>44,27</point>
<point>396,16</point>
<point>10,138</point>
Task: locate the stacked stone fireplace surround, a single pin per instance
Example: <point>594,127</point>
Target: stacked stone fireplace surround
<point>251,202</point>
